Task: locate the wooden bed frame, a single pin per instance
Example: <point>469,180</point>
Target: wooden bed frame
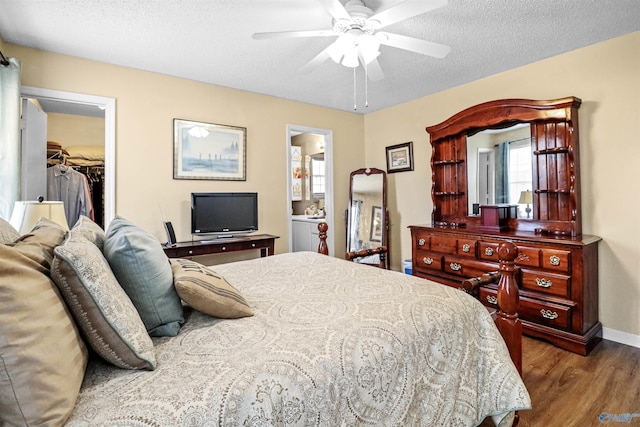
<point>506,317</point>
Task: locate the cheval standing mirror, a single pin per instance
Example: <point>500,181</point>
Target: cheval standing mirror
<point>367,223</point>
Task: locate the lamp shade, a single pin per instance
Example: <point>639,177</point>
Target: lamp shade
<point>526,197</point>
<point>27,213</point>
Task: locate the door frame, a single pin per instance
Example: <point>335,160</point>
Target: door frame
<point>293,130</point>
<point>109,107</point>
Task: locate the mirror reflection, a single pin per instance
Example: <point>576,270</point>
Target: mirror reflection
<point>499,169</point>
<point>367,214</point>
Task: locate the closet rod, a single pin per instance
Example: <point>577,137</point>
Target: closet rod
<point>3,60</point>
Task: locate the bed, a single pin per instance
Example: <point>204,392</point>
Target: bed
<point>329,343</point>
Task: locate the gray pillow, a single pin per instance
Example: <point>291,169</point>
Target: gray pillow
<point>143,270</point>
<point>8,234</point>
<point>90,230</point>
<point>102,310</point>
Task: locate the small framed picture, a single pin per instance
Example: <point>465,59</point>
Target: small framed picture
<point>400,157</point>
<point>209,151</point>
<point>376,224</point>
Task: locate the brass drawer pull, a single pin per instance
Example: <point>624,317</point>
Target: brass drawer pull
<point>543,283</point>
<point>466,248</point>
<point>548,314</point>
<point>488,251</point>
<point>554,260</point>
<point>421,242</point>
<point>427,260</point>
<point>455,266</point>
<point>492,300</point>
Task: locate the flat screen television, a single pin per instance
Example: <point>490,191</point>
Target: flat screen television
<point>224,214</point>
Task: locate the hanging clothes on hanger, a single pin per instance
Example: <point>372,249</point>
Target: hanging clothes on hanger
<point>70,187</point>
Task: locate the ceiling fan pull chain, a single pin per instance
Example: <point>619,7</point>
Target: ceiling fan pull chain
<point>355,105</point>
<point>366,87</point>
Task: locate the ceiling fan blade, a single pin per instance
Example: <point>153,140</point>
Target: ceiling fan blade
<point>374,71</point>
<point>424,47</point>
<point>292,34</point>
<point>406,10</point>
<point>335,9</point>
<point>316,60</point>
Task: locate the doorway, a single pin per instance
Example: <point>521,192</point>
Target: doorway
<point>327,140</point>
<point>108,105</point>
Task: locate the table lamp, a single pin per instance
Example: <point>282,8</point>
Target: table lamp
<point>526,198</point>
<point>27,213</point>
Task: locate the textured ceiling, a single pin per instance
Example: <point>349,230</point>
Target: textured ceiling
<point>210,41</point>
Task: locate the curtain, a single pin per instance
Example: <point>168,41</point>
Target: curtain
<point>502,173</point>
<point>9,136</point>
<point>354,227</point>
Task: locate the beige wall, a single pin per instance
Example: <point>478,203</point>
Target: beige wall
<point>606,76</point>
<point>147,103</point>
<point>70,130</point>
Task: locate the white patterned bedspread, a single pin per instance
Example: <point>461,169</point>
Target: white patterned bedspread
<point>332,343</point>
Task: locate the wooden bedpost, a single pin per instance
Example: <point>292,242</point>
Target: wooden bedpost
<point>508,323</point>
<point>322,246</point>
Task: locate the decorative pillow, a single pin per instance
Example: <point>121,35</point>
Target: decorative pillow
<point>8,234</point>
<point>102,310</point>
<point>42,355</point>
<point>143,270</point>
<point>90,230</point>
<point>207,291</point>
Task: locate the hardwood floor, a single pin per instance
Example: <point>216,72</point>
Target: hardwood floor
<point>571,390</point>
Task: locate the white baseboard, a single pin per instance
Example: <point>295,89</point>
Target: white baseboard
<point>621,337</point>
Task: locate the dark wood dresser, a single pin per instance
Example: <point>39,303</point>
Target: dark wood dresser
<point>557,265</point>
<point>558,276</point>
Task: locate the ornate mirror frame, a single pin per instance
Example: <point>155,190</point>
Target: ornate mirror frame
<point>555,165</point>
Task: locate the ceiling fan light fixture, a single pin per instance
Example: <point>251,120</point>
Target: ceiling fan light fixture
<point>351,58</point>
<point>369,47</point>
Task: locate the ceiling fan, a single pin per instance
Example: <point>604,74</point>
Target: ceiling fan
<point>359,40</point>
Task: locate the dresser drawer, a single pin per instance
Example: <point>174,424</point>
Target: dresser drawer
<point>545,313</point>
<point>488,297</point>
<point>421,239</point>
<point>488,251</point>
<point>466,268</point>
<point>428,261</point>
<point>444,245</point>
<point>553,284</point>
<point>554,259</point>
<point>466,247</point>
<point>541,312</point>
<point>529,257</point>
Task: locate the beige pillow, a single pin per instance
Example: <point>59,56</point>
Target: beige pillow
<point>42,355</point>
<point>207,291</point>
<point>103,311</point>
<point>8,234</point>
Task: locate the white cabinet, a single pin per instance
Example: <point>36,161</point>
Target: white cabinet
<point>305,235</point>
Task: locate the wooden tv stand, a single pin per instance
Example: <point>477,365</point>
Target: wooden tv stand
<point>264,242</point>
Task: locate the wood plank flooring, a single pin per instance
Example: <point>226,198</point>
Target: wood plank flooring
<point>568,390</point>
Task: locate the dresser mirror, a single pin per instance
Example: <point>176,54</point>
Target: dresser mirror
<point>367,216</point>
<point>549,205</point>
<point>499,168</point>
